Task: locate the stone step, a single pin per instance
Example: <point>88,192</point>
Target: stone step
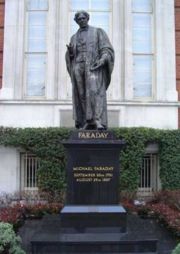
<point>90,243</point>
<point>92,216</point>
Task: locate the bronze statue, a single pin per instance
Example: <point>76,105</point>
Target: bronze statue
<point>89,60</point>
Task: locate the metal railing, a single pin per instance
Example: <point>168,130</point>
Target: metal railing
<point>148,175</point>
<point>29,167</point>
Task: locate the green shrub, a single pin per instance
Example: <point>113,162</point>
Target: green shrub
<point>177,249</point>
<point>9,242</point>
<point>131,157</point>
<point>46,144</point>
<point>170,159</point>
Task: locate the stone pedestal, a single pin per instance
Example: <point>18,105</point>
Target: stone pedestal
<point>92,221</point>
<point>93,168</point>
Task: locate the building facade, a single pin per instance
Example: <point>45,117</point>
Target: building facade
<point>35,89</point>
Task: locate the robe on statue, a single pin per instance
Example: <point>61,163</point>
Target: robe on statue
<point>89,86</point>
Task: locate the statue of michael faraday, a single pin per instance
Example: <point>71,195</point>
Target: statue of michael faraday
<point>89,60</point>
<point>92,152</point>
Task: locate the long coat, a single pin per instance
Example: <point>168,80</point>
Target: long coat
<point>95,82</point>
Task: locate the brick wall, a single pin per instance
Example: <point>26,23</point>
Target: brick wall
<point>2,7</point>
<point>177,20</point>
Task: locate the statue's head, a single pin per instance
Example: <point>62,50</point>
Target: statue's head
<point>81,18</point>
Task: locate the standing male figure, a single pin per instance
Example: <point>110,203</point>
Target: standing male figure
<point>89,60</point>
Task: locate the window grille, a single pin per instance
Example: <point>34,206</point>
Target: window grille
<point>148,175</point>
<point>29,167</point>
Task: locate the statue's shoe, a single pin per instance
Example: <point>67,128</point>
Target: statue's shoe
<point>94,126</point>
<point>99,126</point>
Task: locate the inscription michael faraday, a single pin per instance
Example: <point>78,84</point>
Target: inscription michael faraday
<point>95,168</point>
<point>93,174</point>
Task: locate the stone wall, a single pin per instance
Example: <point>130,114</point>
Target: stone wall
<point>18,110</point>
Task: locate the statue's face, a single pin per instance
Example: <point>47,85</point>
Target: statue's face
<point>82,20</point>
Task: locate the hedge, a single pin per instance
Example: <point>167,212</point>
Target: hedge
<point>46,144</point>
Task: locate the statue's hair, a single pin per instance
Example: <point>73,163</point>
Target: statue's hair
<point>81,12</point>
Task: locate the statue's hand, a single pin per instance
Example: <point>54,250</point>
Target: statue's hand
<point>70,49</point>
<point>98,64</point>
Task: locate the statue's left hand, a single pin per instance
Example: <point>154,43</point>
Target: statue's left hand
<point>97,65</point>
<point>70,49</point>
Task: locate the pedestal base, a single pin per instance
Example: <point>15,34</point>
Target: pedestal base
<point>53,239</point>
<point>92,221</point>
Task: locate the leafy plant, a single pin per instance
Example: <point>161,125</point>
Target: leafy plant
<point>171,198</point>
<point>143,211</point>
<point>38,210</point>
<point>169,216</point>
<point>131,157</point>
<point>177,249</point>
<point>18,213</point>
<point>161,208</point>
<point>13,215</point>
<point>9,242</point>
<point>170,159</point>
<point>46,144</point>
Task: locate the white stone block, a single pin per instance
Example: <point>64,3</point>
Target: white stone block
<point>9,170</point>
